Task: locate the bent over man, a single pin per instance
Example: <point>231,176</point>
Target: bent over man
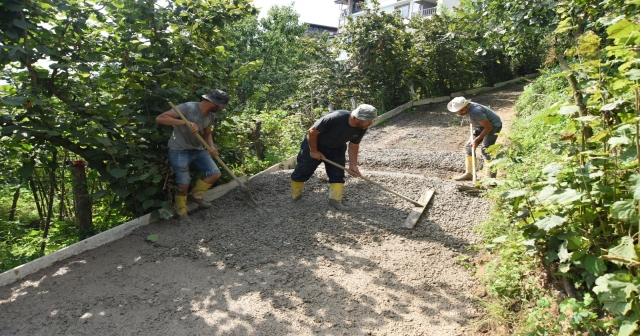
<point>486,124</point>
<point>328,138</point>
<point>185,149</point>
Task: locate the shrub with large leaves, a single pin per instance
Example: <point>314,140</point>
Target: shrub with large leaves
<point>91,76</point>
<point>378,44</point>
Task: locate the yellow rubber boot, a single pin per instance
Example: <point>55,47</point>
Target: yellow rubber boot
<point>487,169</point>
<point>196,194</point>
<point>468,171</point>
<point>181,206</point>
<point>335,196</point>
<point>296,189</point>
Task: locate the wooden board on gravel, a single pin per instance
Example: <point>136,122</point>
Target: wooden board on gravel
<point>416,212</point>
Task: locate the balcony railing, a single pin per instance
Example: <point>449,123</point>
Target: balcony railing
<point>426,12</point>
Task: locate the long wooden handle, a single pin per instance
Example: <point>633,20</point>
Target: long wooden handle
<point>206,145</point>
<point>375,183</point>
<point>473,152</point>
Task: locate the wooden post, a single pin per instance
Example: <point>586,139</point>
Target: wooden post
<point>14,204</point>
<point>82,199</point>
<point>353,102</point>
<point>330,107</point>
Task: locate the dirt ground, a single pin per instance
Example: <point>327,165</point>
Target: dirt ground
<point>296,269</point>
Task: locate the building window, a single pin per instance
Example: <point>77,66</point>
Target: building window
<point>357,7</point>
<point>404,10</point>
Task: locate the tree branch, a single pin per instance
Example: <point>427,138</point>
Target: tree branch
<point>629,262</point>
<point>587,131</point>
<point>32,72</point>
<point>55,140</point>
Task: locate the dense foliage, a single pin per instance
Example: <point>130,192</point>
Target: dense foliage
<point>392,59</point>
<point>571,193</point>
<point>90,77</point>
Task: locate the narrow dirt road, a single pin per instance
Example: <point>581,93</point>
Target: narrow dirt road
<point>301,269</point>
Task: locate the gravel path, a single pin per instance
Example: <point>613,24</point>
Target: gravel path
<point>297,269</point>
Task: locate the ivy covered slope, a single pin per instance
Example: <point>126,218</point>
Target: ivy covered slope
<point>571,194</point>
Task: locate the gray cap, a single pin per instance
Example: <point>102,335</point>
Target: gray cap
<point>218,97</point>
<point>365,112</point>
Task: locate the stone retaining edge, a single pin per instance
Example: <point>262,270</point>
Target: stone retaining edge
<point>431,100</point>
<point>100,239</point>
<point>392,113</point>
<point>286,164</point>
<point>496,85</point>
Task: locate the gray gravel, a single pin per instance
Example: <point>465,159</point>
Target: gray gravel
<point>298,269</point>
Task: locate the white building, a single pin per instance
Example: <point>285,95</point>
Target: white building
<point>408,8</point>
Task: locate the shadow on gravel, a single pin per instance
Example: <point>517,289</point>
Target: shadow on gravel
<point>307,269</point>
<point>304,269</point>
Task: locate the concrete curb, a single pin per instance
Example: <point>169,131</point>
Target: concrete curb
<point>100,239</point>
<point>286,164</point>
<point>392,113</point>
<point>431,100</point>
<point>489,88</point>
<point>516,80</point>
<point>470,92</point>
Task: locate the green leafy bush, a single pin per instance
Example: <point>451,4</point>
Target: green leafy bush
<point>571,193</point>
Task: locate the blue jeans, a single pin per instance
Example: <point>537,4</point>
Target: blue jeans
<point>181,160</point>
<point>488,141</point>
<point>308,165</point>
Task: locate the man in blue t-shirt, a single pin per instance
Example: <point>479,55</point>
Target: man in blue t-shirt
<point>486,124</point>
<point>185,148</point>
<point>327,138</point>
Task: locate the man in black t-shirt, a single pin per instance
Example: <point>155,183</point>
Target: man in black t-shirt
<point>327,138</point>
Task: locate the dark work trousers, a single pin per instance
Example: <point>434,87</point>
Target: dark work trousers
<point>487,141</point>
<point>308,165</point>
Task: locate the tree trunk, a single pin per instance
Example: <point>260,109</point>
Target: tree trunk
<point>35,197</point>
<point>577,98</point>
<point>62,189</point>
<point>52,187</point>
<point>82,200</point>
<point>254,136</point>
<point>42,190</point>
<point>14,204</point>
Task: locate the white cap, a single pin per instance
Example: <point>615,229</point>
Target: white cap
<point>457,103</point>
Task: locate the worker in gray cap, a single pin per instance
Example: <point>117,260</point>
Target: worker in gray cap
<point>328,138</point>
<point>185,149</point>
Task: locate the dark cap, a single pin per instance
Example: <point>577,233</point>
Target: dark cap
<point>218,97</point>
